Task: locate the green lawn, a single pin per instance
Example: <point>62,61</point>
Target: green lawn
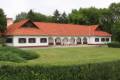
<point>74,56</point>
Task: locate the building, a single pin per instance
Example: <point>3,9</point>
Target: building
<point>33,34</point>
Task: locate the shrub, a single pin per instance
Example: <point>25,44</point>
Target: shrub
<point>101,71</point>
<point>114,45</point>
<point>15,55</point>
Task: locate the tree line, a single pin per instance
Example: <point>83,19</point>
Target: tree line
<point>107,18</point>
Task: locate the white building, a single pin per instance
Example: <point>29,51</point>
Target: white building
<point>34,34</point>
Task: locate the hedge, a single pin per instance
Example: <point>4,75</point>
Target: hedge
<point>98,71</point>
<point>114,45</point>
<point>12,54</point>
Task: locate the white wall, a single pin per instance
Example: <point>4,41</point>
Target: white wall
<point>92,40</point>
<point>16,43</point>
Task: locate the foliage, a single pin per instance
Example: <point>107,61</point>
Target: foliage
<point>15,55</point>
<point>22,15</point>
<point>105,20</point>
<point>114,45</point>
<point>31,15</point>
<point>34,16</point>
<point>98,71</point>
<point>56,17</point>
<point>64,18</point>
<point>2,21</point>
<point>87,16</point>
<point>3,27</point>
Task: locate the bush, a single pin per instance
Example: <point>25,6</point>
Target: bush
<point>101,71</point>
<point>114,45</point>
<point>15,55</point>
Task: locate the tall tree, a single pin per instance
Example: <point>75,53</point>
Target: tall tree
<point>56,16</point>
<point>116,32</point>
<point>64,18</point>
<point>3,22</point>
<point>110,20</point>
<point>31,15</point>
<point>105,20</point>
<point>3,27</point>
<point>115,17</point>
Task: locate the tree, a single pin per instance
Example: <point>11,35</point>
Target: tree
<point>22,15</point>
<point>116,32</point>
<point>115,17</point>
<point>3,26</point>
<point>105,20</point>
<point>39,17</point>
<point>75,17</point>
<point>110,20</point>
<point>3,22</point>
<point>34,16</point>
<point>64,18</point>
<point>86,16</point>
<point>56,16</point>
<point>31,15</point>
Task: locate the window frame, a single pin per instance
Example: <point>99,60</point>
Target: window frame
<point>42,41</point>
<point>31,40</point>
<point>107,39</point>
<point>97,39</point>
<point>9,41</point>
<point>103,40</point>
<point>21,41</point>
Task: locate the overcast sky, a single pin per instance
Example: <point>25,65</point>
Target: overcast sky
<point>13,7</point>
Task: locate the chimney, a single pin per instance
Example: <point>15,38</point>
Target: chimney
<point>9,21</point>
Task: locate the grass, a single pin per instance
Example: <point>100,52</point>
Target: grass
<point>74,56</point>
<point>61,56</point>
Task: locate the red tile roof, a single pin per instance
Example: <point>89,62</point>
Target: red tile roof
<point>54,29</point>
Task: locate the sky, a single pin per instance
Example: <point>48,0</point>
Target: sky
<point>47,7</point>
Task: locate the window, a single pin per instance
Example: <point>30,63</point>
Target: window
<point>32,40</point>
<point>65,40</point>
<point>43,40</point>
<point>58,40</point>
<point>22,40</point>
<point>72,40</point>
<point>9,40</point>
<point>78,40</point>
<point>51,40</point>
<point>107,39</point>
<point>85,40</point>
<point>96,39</point>
<point>103,39</point>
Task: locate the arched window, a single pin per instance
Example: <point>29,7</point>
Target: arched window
<point>65,40</point>
<point>58,41</point>
<point>72,40</point>
<point>50,40</point>
<point>78,40</point>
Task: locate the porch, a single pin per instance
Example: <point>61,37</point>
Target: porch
<point>66,41</point>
